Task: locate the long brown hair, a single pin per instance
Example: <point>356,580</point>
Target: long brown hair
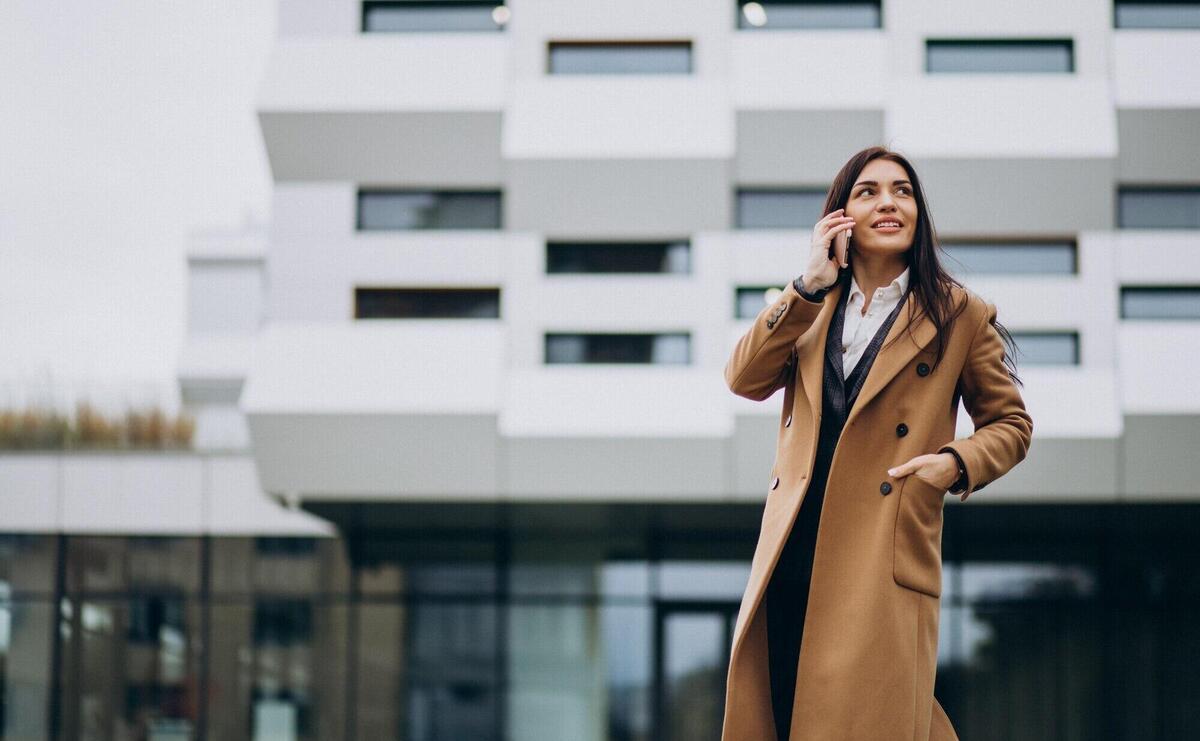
<point>926,276</point>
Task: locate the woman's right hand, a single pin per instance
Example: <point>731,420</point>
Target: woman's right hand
<point>823,263</point>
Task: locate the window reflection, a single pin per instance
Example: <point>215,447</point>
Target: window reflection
<point>990,582</point>
<point>703,579</point>
<point>129,667</point>
<point>25,667</point>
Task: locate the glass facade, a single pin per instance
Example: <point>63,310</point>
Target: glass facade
<point>592,622</point>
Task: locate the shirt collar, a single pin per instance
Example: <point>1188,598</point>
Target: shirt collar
<point>895,289</point>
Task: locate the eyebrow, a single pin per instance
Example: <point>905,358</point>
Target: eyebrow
<point>872,182</point>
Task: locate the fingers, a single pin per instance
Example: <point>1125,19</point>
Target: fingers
<point>907,466</point>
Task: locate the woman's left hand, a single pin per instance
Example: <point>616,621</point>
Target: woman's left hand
<point>935,469</point>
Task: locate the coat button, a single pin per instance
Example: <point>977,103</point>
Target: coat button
<point>922,369</point>
<point>788,423</point>
<point>775,483</point>
<point>901,429</point>
<point>885,488</point>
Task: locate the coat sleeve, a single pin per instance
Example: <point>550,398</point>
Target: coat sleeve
<point>762,357</point>
<point>1003,428</point>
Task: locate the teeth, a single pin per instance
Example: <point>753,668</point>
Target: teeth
<point>886,223</point>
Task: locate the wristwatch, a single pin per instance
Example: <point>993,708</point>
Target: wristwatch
<point>961,482</point>
<point>817,295</point>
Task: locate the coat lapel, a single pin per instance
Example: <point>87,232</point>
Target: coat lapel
<point>811,349</point>
<point>890,360</point>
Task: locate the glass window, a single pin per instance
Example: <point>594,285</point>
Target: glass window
<point>399,209</point>
<point>702,579</point>
<point>27,564</point>
<point>694,664</point>
<point>277,670</point>
<point>619,257</point>
<point>999,55</point>
<point>282,566</point>
<point>578,565</point>
<point>1158,208</point>
<point>666,349</point>
<point>579,671</point>
<point>776,208</point>
<point>155,564</point>
<point>451,691</point>
<point>1023,581</point>
<point>381,656</point>
<point>426,303</point>
<point>751,300</point>
<point>434,15</point>
<point>411,563</point>
<point>1160,302</point>
<point>1156,14</point>
<point>775,14</point>
<point>26,645</point>
<point>1026,258</point>
<point>129,667</point>
<point>629,57</point>
<point>1047,348</point>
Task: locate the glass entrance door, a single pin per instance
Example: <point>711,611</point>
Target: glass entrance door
<point>693,640</point>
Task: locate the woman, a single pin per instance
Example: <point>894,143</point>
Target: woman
<point>874,345</point>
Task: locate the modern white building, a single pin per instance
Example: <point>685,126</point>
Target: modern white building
<point>466,463</point>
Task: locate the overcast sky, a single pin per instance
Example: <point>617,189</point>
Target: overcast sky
<point>123,125</point>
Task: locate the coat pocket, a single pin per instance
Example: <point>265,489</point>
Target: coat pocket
<point>917,546</point>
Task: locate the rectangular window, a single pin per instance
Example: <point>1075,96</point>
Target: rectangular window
<point>750,300</point>
<point>1031,258</point>
<point>433,15</point>
<point>282,622</point>
<point>428,209</point>
<point>783,14</point>
<point>1158,208</point>
<point>1047,348</point>
<point>620,58</point>
<point>779,208</point>
<point>426,303</point>
<point>999,55</point>
<point>1156,14</point>
<point>1160,302</point>
<point>667,348</point>
<point>619,257</point>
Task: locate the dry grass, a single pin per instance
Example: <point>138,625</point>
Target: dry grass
<point>46,429</point>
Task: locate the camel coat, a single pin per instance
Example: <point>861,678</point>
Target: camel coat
<point>869,654</point>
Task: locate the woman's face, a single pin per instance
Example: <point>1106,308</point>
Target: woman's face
<point>882,191</point>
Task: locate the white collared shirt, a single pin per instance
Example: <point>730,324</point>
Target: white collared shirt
<point>857,328</point>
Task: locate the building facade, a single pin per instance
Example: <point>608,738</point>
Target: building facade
<point>466,464</point>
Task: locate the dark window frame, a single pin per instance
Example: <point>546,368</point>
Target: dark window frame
<point>485,293</point>
<point>366,6</point>
<point>552,44</point>
<point>1158,288</point>
<point>364,190</point>
<point>1067,41</point>
<point>738,27</point>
